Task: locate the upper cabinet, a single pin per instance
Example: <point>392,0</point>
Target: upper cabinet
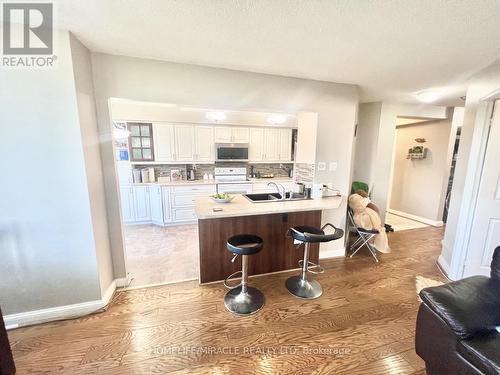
<point>227,134</point>
<point>164,142</point>
<point>184,143</point>
<point>270,145</point>
<point>204,143</point>
<point>285,145</point>
<point>140,141</point>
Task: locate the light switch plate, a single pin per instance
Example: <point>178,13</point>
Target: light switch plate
<point>321,166</point>
<point>333,166</point>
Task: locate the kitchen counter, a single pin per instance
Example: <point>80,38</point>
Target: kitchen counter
<point>241,206</point>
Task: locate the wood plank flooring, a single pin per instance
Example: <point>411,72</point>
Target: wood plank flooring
<point>363,324</point>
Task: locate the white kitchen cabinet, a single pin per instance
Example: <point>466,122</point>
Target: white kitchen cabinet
<point>184,143</point>
<point>256,145</point>
<point>240,135</point>
<point>285,145</point>
<point>142,204</point>
<point>156,204</point>
<point>127,203</point>
<point>164,142</point>
<point>271,140</point>
<point>231,134</point>
<point>183,200</point>
<point>204,143</point>
<point>223,134</point>
<point>167,207</point>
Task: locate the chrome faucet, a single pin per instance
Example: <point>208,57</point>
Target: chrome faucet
<point>283,195</point>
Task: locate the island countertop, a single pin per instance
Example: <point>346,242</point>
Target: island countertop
<point>241,206</point>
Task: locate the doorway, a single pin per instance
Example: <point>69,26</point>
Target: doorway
<point>422,171</point>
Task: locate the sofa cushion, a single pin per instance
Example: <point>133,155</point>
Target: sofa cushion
<point>468,306</point>
<point>483,351</point>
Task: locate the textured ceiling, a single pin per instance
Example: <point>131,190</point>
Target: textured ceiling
<point>389,48</point>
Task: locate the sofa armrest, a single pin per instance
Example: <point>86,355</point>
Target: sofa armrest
<point>468,306</point>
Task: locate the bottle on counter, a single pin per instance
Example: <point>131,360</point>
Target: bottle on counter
<point>205,177</point>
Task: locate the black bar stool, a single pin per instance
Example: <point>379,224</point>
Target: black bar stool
<point>299,285</point>
<point>243,299</point>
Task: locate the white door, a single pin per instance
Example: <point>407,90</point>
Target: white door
<point>285,145</point>
<point>142,206</point>
<point>156,204</point>
<point>164,142</point>
<point>127,203</point>
<point>271,144</point>
<point>204,143</point>
<point>240,135</point>
<point>256,145</point>
<point>184,142</point>
<point>223,134</point>
<point>485,235</point>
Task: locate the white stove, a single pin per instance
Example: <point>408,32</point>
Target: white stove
<point>232,180</point>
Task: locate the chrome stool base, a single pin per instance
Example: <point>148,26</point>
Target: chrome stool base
<point>306,289</point>
<point>244,303</point>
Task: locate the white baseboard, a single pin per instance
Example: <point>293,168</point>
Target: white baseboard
<point>50,314</point>
<point>332,253</point>
<point>123,282</point>
<point>445,266</point>
<point>420,219</point>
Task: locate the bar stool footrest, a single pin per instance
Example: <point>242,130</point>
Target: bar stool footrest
<point>312,267</point>
<point>231,277</point>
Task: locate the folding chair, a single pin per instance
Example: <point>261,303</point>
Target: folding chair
<point>364,236</point>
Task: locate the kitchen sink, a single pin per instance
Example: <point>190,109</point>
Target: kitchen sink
<point>273,197</point>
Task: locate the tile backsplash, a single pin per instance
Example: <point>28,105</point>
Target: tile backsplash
<point>304,173</point>
<point>163,170</point>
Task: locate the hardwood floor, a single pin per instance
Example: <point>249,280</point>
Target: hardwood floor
<point>363,324</point>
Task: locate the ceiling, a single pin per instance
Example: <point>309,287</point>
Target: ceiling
<point>391,49</point>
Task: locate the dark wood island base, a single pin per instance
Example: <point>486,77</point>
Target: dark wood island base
<point>278,253</point>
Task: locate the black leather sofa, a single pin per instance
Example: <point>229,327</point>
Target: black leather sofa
<point>456,325</point>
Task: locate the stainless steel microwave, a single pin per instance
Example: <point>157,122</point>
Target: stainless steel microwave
<point>232,152</point>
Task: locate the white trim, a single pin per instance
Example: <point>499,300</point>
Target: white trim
<point>445,266</point>
<point>60,312</point>
<point>158,284</point>
<point>420,219</point>
<point>335,253</point>
<point>123,282</point>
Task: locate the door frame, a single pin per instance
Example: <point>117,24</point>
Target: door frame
<point>470,194</point>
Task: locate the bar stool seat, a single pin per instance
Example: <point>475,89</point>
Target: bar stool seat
<point>243,299</point>
<point>300,286</point>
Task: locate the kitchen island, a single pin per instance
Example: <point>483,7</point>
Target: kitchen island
<point>269,220</point>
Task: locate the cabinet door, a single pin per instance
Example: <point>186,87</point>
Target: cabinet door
<point>164,142</point>
<point>256,144</point>
<point>240,135</point>
<point>184,142</point>
<point>167,209</point>
<point>127,203</point>
<point>142,206</point>
<point>223,134</point>
<point>271,137</point>
<point>285,145</point>
<point>204,143</point>
<point>156,204</point>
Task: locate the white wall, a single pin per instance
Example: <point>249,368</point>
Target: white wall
<point>417,184</point>
<point>47,243</point>
<point>379,169</point>
<point>466,172</point>
<point>84,86</point>
<point>163,82</point>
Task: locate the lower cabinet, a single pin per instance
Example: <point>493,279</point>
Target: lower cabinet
<point>127,203</point>
<point>156,204</point>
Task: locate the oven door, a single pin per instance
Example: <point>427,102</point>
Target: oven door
<point>231,152</point>
<point>234,188</point>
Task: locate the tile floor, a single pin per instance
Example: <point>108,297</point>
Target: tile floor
<point>402,223</point>
<point>161,254</point>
